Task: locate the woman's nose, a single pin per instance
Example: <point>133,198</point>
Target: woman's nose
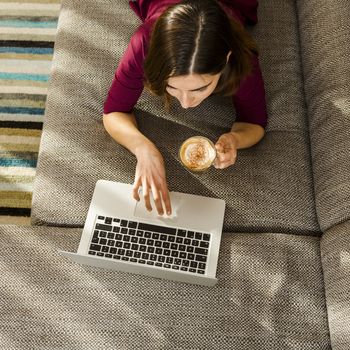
<point>186,101</point>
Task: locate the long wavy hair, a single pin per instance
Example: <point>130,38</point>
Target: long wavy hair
<point>195,37</point>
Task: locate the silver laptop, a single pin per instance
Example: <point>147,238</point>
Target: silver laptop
<point>120,234</point>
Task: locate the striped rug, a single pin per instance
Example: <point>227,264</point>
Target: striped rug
<point>27,35</point>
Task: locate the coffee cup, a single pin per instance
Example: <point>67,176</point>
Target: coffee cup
<point>197,153</point>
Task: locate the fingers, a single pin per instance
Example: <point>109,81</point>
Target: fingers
<point>166,199</point>
<point>157,200</point>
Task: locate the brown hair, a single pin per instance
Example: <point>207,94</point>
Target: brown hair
<point>195,37</point>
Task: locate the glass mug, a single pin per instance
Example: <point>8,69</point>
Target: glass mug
<point>197,153</point>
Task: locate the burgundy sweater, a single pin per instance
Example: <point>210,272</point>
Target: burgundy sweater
<point>249,99</point>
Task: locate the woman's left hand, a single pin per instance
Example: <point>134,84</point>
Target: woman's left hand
<point>226,148</point>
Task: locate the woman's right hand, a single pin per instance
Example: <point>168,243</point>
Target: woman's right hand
<point>150,175</point>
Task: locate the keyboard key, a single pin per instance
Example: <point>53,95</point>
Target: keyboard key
<point>137,255</point>
<point>95,240</point>
<point>116,229</point>
<point>158,264</point>
<point>189,249</point>
<point>198,235</point>
<point>113,250</point>
<point>194,264</point>
<point>110,235</point>
<point>119,244</point>
<point>116,220</point>
<point>175,267</point>
<point>121,251</point>
<point>150,250</point>
<point>206,237</point>
<point>91,252</point>
<point>155,235</point>
<point>182,247</point>
<point>171,239</point>
<point>158,244</point>
<point>201,258</point>
<point>108,255</point>
<point>201,251</point>
<point>108,221</point>
<point>148,234</point>
<point>124,223</point>
<point>105,249</point>
<point>190,234</point>
<point>179,240</point>
<point>129,253</point>
<point>100,254</point>
<point>132,224</point>
<point>133,260</point>
<point>192,270</point>
<point>96,234</point>
<point>166,245</point>
<point>163,237</point>
<point>153,257</point>
<point>142,240</point>
<point>126,238</point>
<point>183,255</point>
<point>150,242</point>
<point>139,233</point>
<point>187,241</point>
<point>181,233</point>
<point>190,256</point>
<point>174,253</point>
<point>124,230</point>
<point>142,261</point>
<point>117,257</point>
<point>134,239</point>
<point>145,256</point>
<point>201,266</point>
<point>135,247</point>
<point>204,244</point>
<point>169,260</point>
<point>167,266</point>
<point>166,252</point>
<point>142,248</point>
<point>159,251</point>
<point>101,217</point>
<point>155,228</point>
<point>103,227</point>
<point>150,262</point>
<point>103,234</point>
<point>184,268</point>
<point>125,258</point>
<point>185,263</point>
<point>201,272</point>
<point>126,245</point>
<point>111,243</point>
<point>161,258</point>
<point>177,261</point>
<point>195,243</point>
<point>174,246</point>
<point>132,232</point>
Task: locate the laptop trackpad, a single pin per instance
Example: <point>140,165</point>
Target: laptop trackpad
<point>141,211</point>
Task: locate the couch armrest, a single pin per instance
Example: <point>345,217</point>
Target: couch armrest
<point>324,27</point>
<point>335,254</point>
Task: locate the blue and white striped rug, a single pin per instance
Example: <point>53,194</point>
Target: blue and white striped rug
<point>27,35</point>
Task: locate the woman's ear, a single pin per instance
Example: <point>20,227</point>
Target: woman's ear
<point>228,56</point>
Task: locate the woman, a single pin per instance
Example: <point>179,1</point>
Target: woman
<point>189,50</point>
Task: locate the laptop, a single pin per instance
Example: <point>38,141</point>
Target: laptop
<point>120,234</point>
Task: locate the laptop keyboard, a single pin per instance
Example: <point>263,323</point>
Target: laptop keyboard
<point>152,245</point>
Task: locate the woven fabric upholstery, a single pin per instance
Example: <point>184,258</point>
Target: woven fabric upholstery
<point>269,189</point>
<point>325,43</point>
<point>269,296</point>
<point>335,252</point>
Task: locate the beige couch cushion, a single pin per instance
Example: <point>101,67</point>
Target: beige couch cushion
<point>270,295</point>
<point>269,189</point>
<point>335,252</point>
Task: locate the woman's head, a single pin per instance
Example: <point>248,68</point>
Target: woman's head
<point>196,50</point>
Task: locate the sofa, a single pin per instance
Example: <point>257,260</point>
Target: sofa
<point>284,263</point>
